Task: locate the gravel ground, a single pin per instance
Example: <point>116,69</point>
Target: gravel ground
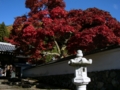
<point>16,87</point>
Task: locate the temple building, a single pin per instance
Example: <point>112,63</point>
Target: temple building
<point>6,53</point>
<point>8,57</point>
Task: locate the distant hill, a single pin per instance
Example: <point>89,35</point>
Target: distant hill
<point>9,28</point>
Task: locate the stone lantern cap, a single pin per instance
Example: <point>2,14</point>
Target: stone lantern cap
<point>79,60</point>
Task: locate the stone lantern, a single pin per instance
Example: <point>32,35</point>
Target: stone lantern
<point>80,63</point>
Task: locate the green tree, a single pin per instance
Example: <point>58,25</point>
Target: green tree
<point>3,32</point>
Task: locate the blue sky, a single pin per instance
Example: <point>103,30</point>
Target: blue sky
<point>9,9</point>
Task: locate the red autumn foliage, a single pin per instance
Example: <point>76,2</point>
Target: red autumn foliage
<point>97,29</point>
<point>48,24</point>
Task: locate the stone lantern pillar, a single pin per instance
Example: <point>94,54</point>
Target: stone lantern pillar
<point>80,63</point>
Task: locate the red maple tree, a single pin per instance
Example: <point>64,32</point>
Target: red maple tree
<point>49,25</point>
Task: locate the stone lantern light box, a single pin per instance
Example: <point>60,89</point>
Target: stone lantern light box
<point>80,63</point>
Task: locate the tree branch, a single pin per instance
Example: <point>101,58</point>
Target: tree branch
<point>57,46</point>
<point>49,53</point>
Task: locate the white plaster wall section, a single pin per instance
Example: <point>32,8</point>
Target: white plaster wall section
<point>106,60</point>
<point>52,69</point>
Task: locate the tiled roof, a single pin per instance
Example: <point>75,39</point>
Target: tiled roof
<point>6,47</point>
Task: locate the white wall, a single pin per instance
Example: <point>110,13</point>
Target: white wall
<point>52,69</point>
<point>106,60</point>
